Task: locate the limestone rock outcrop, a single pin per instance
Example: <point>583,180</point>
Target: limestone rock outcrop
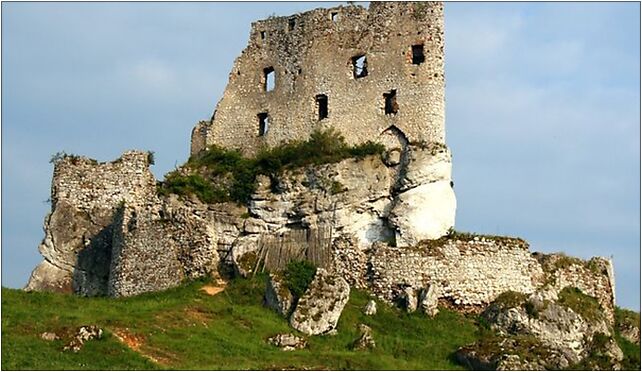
<point>543,334</point>
<point>320,307</point>
<point>277,295</point>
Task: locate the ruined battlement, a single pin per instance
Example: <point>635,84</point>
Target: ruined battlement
<point>89,184</point>
<point>361,71</point>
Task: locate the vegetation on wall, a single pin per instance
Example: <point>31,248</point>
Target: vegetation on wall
<point>221,175</point>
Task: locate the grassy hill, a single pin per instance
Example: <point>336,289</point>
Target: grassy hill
<point>185,328</point>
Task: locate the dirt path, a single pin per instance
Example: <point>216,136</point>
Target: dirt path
<point>214,288</point>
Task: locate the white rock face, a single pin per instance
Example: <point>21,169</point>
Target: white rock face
<point>49,277</point>
<point>320,307</point>
<point>424,212</point>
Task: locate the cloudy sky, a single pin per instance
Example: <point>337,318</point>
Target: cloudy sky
<point>543,111</point>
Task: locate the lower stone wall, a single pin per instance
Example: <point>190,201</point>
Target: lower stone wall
<point>144,256</point>
<point>463,272</point>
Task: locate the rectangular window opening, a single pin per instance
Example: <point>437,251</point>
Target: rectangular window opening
<point>334,16</point>
<point>264,123</point>
<point>269,79</point>
<point>359,66</point>
<point>262,35</point>
<point>418,54</point>
<point>291,24</point>
<point>322,105</point>
<point>391,107</point>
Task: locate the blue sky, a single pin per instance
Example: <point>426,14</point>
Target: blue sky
<point>543,111</point>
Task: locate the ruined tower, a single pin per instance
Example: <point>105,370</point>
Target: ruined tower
<point>372,74</point>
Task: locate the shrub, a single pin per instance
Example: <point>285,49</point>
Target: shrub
<point>322,148</point>
<point>298,276</point>
<point>151,160</point>
<point>510,299</point>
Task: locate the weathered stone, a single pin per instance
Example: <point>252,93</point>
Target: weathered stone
<point>313,54</point>
<point>49,336</point>
<point>392,157</point>
<point>320,307</point>
<point>288,341</point>
<point>83,334</point>
<point>365,340</point>
<point>277,295</point>
<point>370,308</point>
<point>541,333</point>
<point>428,301</point>
<point>84,195</point>
<point>630,332</point>
<point>409,299</point>
<point>433,204</point>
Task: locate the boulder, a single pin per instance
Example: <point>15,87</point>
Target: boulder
<point>320,307</point>
<point>428,301</point>
<point>370,308</point>
<point>365,340</point>
<point>277,295</point>
<point>288,341</point>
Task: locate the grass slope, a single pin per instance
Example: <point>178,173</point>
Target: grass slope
<point>184,328</point>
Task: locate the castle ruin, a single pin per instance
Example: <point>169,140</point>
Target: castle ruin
<point>369,73</point>
<point>372,74</point>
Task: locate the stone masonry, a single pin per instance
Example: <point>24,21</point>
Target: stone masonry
<point>313,56</point>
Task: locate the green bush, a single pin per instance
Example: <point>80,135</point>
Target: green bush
<point>322,148</point>
<point>298,276</point>
<point>176,183</point>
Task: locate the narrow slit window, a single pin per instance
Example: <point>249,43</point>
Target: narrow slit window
<point>418,54</point>
<point>269,78</point>
<point>264,123</point>
<point>262,35</point>
<point>334,16</point>
<point>291,24</point>
<point>391,107</point>
<point>322,106</point>
<point>359,66</point>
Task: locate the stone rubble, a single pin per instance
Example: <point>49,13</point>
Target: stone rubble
<point>288,342</point>
<point>82,335</point>
<point>365,340</point>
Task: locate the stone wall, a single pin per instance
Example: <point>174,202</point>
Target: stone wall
<point>78,230</point>
<point>144,256</point>
<point>312,54</point>
<point>463,272</point>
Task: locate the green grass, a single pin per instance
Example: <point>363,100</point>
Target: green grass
<point>584,305</point>
<point>184,328</point>
<point>223,175</point>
